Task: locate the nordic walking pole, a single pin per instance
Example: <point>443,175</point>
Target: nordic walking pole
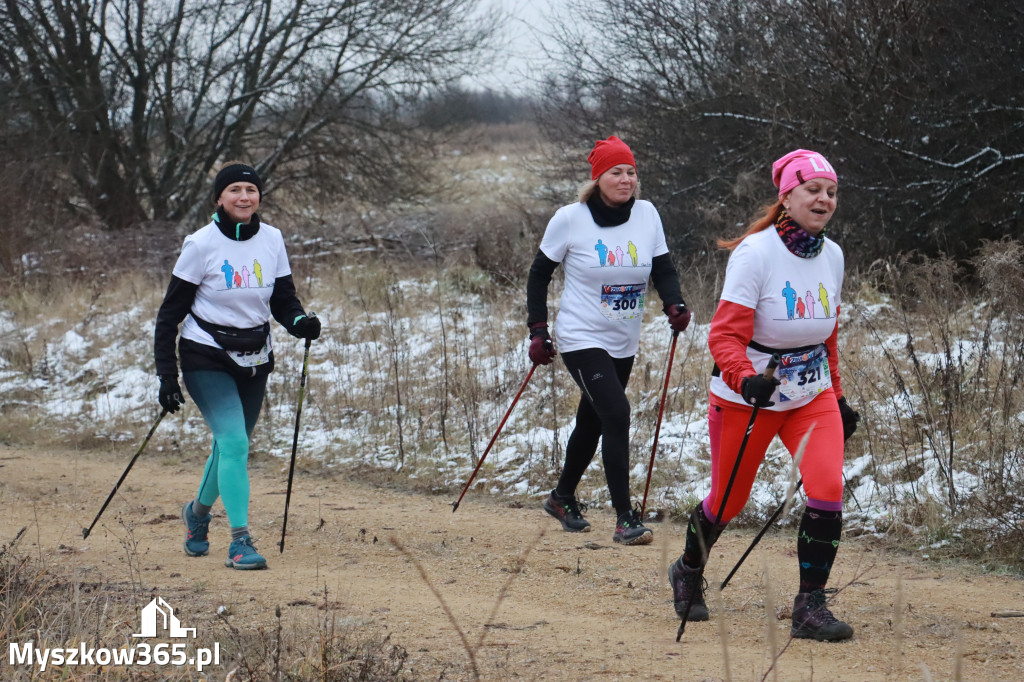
<point>657,427</point>
<point>86,531</point>
<point>757,538</point>
<point>769,372</point>
<point>455,504</point>
<point>295,441</point>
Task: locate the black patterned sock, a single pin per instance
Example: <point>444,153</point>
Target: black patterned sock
<point>816,546</point>
<point>700,536</point>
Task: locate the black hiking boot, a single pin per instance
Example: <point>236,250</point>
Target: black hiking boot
<point>813,620</point>
<point>568,511</point>
<point>630,530</point>
<point>686,581</point>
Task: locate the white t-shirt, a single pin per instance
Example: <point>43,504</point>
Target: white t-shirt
<point>794,299</point>
<point>235,278</point>
<point>606,273</point>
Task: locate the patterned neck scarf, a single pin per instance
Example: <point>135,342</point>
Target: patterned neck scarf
<point>797,239</point>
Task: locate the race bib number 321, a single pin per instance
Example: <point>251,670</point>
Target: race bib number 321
<point>804,373</point>
<point>623,301</point>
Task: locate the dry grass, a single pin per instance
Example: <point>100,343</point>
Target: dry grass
<point>424,348</point>
<point>421,357</point>
<point>42,604</point>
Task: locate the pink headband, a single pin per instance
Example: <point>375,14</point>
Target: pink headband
<point>608,154</point>
<point>797,167</point>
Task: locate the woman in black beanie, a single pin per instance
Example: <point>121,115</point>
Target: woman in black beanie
<point>230,277</point>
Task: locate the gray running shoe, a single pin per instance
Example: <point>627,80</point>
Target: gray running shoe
<point>630,530</point>
<point>568,511</point>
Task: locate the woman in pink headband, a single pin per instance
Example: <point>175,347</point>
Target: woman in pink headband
<point>609,244</point>
<point>761,314</point>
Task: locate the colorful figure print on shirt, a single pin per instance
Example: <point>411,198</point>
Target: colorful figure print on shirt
<point>245,276</point>
<point>618,255</point>
<point>238,280</point>
<point>228,272</point>
<point>602,252</point>
<point>800,309</point>
<point>257,270</point>
<point>789,293</point>
<point>810,304</point>
<point>823,299</point>
<point>632,253</point>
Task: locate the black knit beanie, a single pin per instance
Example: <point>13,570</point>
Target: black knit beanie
<point>236,172</point>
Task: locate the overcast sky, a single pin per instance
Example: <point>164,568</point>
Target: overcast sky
<point>522,61</point>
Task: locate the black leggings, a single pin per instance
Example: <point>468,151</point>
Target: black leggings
<point>603,414</point>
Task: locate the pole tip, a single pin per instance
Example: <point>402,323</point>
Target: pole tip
<point>679,632</point>
<point>455,505</point>
<point>85,533</point>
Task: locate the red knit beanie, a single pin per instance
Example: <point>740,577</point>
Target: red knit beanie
<point>607,154</point>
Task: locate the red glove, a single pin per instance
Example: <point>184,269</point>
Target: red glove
<point>678,316</point>
<point>542,350</point>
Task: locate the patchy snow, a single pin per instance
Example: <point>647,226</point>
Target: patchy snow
<point>98,377</point>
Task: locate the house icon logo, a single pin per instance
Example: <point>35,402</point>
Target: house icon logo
<point>159,611</point>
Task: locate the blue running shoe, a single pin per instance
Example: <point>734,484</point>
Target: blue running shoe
<point>242,555</point>
<point>196,529</point>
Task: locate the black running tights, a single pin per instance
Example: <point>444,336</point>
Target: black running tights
<point>603,414</point>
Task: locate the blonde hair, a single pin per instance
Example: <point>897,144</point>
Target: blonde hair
<point>588,188</point>
<point>766,217</point>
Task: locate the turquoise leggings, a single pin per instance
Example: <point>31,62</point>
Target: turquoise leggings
<point>230,407</point>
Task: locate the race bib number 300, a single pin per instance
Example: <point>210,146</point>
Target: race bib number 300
<point>804,374</point>
<point>623,301</point>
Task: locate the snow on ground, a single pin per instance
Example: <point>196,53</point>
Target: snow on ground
<point>102,381</point>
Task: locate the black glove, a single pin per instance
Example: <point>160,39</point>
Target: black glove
<point>542,349</point>
<point>170,398</point>
<point>307,327</point>
<point>850,418</point>
<point>678,317</point>
<point>758,389</point>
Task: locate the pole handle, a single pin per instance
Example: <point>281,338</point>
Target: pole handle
<point>773,362</point>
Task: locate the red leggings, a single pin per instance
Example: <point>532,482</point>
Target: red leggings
<point>821,467</point>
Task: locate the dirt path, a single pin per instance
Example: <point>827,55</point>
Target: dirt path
<point>578,606</point>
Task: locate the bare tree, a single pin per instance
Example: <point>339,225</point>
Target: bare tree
<point>140,99</point>
<point>915,101</point>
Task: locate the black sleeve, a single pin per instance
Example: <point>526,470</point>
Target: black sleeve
<point>284,303</point>
<point>176,305</point>
<point>666,281</point>
<point>537,288</point>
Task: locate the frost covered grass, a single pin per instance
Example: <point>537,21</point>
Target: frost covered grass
<point>420,359</point>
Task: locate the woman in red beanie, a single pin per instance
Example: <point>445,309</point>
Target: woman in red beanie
<point>783,252</point>
<point>598,324</point>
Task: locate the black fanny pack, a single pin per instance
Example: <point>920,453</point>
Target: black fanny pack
<point>715,371</point>
<point>233,338</point>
